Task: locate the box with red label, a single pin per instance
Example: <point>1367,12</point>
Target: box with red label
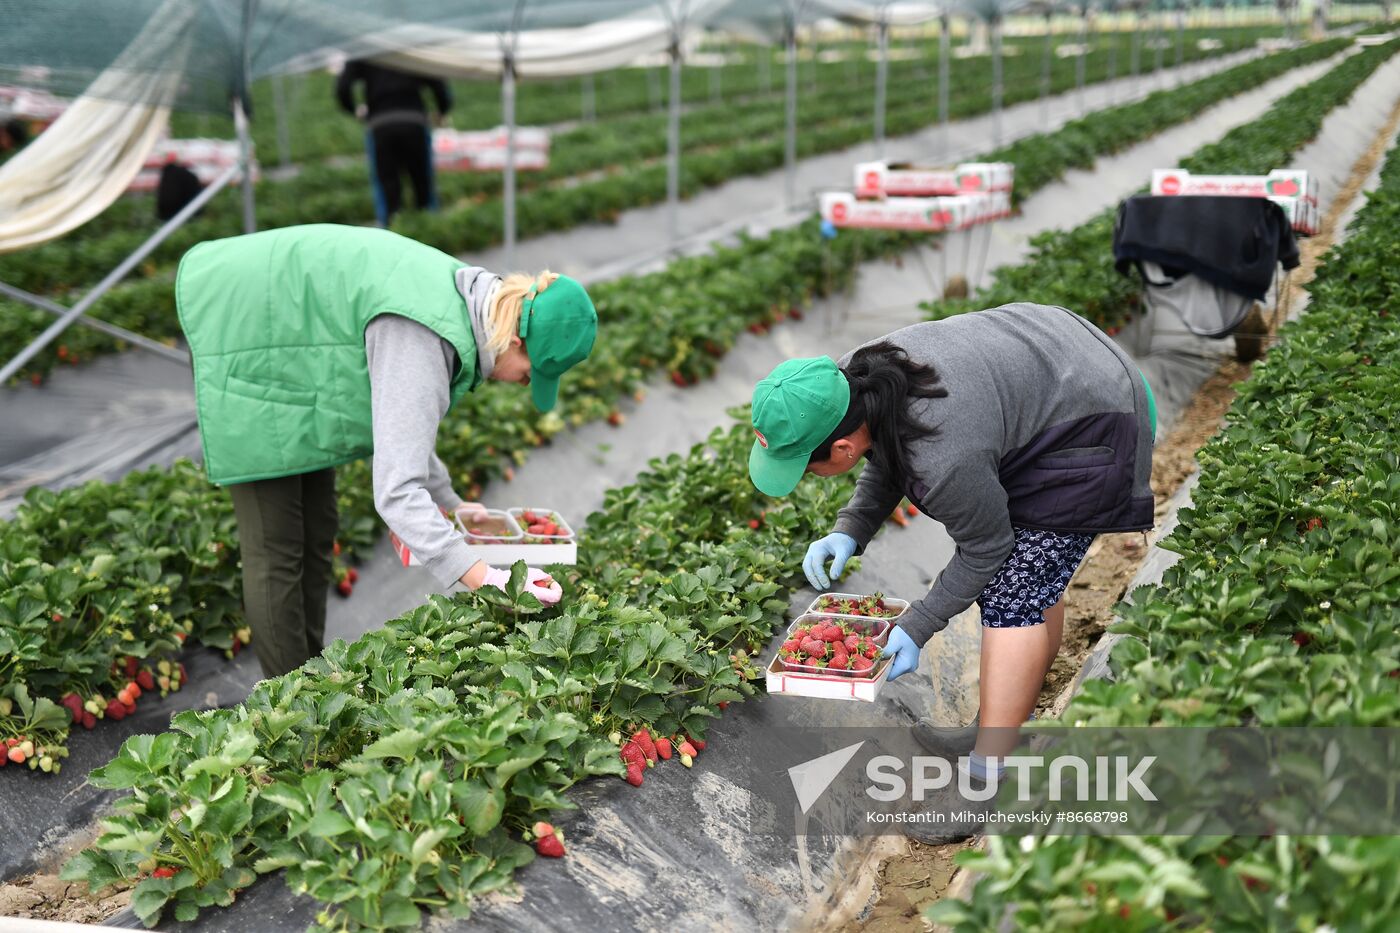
<point>539,536</point>
<point>879,179</point>
<point>842,209</point>
<point>485,150</point>
<point>1289,183</point>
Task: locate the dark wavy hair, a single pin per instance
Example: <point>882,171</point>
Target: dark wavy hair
<point>883,381</point>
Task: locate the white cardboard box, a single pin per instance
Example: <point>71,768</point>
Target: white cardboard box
<point>1297,183</point>
<point>877,179</point>
<point>828,686</point>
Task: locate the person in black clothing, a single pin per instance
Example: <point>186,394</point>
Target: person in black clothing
<point>399,140</point>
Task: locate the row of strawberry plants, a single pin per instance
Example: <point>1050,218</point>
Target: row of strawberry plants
<point>100,586</point>
<point>397,773</point>
<point>1280,612</point>
<point>682,318</point>
<point>144,305</point>
<point>1074,268</point>
<point>340,195</point>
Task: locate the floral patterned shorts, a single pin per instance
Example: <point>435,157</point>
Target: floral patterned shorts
<point>1033,578</point>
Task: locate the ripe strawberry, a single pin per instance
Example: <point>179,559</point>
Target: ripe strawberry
<point>145,680</point>
<point>792,645</point>
<point>550,846</point>
<point>676,378</point>
<point>1301,639</point>
<point>116,711</point>
<point>872,650</point>
<point>633,755</point>
<point>16,755</point>
<point>37,379</point>
<point>344,588</point>
<point>685,748</point>
<point>755,524</point>
<point>130,666</point>
<point>815,648</point>
<point>634,775</point>
<point>913,512</point>
<point>643,739</point>
<point>795,313</point>
<point>698,743</point>
<point>1314,523</point>
<point>89,720</point>
<point>335,548</point>
<point>352,575</point>
<point>833,633</point>
<point>164,872</point>
<point>663,748</point>
<point>58,617</point>
<point>615,418</point>
<point>861,663</point>
<point>184,675</point>
<point>852,642</point>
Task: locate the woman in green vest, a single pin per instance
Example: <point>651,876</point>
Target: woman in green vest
<point>321,344</point>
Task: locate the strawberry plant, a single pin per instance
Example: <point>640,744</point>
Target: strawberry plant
<point>1279,613</point>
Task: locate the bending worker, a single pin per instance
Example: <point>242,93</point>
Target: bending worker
<point>317,345</point>
<point>1024,429</point>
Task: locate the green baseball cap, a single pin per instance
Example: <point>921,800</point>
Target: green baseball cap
<point>794,410</point>
<point>559,325</point>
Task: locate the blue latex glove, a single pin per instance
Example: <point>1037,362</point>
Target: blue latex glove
<point>836,548</point>
<point>828,230</point>
<point>905,653</point>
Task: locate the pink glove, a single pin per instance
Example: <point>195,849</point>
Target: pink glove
<point>534,583</point>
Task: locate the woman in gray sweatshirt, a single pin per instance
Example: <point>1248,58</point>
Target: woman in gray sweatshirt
<point>1024,429</point>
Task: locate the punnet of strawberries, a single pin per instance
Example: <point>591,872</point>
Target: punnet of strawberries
<point>542,526</point>
<point>830,645</point>
<point>872,607</point>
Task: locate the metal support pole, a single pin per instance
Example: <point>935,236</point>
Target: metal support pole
<point>116,275</point>
<point>508,181</point>
<point>995,27</point>
<point>279,113</point>
<point>1081,61</point>
<point>882,70</point>
<point>111,330</point>
<point>590,99</point>
<point>945,52</point>
<point>1180,43</point>
<point>1113,63</point>
<point>1135,53</point>
<point>765,69</point>
<point>245,164</point>
<point>1158,37</point>
<point>790,130</point>
<point>1045,57</point>
<point>673,143</point>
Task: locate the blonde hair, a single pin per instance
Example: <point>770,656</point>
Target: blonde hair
<point>503,307</point>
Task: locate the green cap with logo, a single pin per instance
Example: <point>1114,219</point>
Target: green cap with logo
<point>794,410</point>
<point>559,325</point>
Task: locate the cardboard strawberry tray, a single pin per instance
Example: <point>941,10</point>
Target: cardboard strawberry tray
<point>539,536</point>
<point>834,657</point>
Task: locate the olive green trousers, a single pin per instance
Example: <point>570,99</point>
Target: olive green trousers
<point>286,531</point>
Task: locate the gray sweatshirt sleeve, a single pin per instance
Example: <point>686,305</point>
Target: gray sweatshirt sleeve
<point>410,376</point>
<point>874,499</point>
<point>971,503</point>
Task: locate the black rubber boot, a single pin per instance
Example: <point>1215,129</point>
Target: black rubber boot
<point>947,741</point>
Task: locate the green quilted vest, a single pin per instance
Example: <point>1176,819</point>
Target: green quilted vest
<point>276,323</point>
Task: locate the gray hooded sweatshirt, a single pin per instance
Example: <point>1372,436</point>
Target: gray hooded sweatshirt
<point>1046,425</point>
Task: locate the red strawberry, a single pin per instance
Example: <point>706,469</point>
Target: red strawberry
<point>352,575</point>
<point>872,650</point>
<point>633,755</point>
<point>833,633</point>
<point>814,647</point>
<point>1301,639</point>
<point>792,645</point>
<point>133,689</point>
<point>685,748</point>
<point>130,666</point>
<point>795,313</point>
<point>550,846</point>
<point>663,748</point>
<point>852,642</point>
<point>144,678</point>
<point>634,775</point>
<point>676,378</point>
<point>89,720</point>
<point>164,872</point>
<point>1314,523</point>
<point>184,676</point>
<point>614,418</point>
<point>755,524</point>
<point>335,548</point>
<point>861,663</point>
<point>643,739</point>
<point>344,588</point>
<point>116,711</point>
<point>912,511</point>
